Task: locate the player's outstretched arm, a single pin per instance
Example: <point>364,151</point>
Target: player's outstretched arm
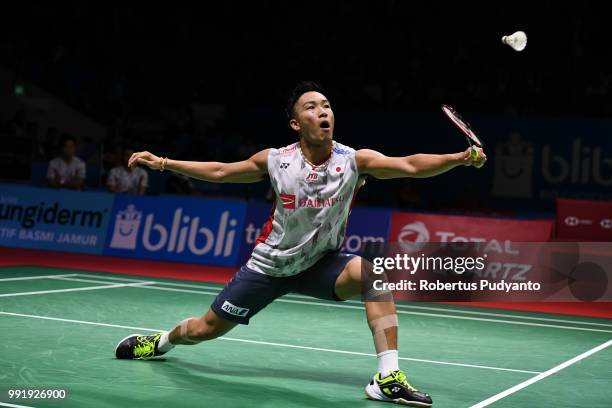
<point>250,170</point>
<point>417,165</point>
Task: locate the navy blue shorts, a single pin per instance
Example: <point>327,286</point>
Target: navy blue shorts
<point>248,291</point>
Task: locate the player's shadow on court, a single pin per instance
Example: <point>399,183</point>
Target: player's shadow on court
<point>188,375</point>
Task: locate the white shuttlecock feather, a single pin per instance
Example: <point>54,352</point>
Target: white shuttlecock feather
<point>518,40</point>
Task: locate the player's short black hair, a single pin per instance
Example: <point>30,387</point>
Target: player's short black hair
<point>300,89</point>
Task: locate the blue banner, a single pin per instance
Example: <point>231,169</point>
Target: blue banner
<point>366,225</point>
<point>58,220</point>
<point>256,216</point>
<point>176,229</point>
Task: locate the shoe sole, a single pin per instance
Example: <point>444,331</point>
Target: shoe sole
<point>122,340</point>
<point>371,393</point>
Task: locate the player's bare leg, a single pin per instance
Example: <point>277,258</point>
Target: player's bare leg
<point>195,330</point>
<point>190,331</point>
<point>390,383</point>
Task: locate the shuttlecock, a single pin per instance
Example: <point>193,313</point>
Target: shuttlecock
<point>518,40</point>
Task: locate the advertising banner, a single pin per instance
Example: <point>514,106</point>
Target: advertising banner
<point>497,241</point>
<point>472,272</point>
<point>257,214</point>
<point>584,220</point>
<point>366,226</point>
<point>414,228</point>
<point>176,229</point>
<point>59,220</point>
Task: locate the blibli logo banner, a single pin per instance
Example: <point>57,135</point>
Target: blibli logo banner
<point>184,229</point>
<point>58,220</point>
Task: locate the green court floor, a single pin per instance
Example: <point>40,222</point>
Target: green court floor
<point>59,329</point>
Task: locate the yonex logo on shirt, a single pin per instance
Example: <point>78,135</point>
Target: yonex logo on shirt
<point>284,165</point>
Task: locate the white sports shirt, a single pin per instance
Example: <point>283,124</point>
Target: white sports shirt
<point>310,211</point>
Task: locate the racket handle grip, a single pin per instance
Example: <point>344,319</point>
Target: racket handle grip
<point>474,153</point>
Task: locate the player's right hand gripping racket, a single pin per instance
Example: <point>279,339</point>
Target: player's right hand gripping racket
<point>465,128</point>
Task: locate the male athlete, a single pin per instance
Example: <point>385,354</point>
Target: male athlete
<point>314,180</point>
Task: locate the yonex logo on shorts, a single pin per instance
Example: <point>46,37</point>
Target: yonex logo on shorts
<point>234,310</point>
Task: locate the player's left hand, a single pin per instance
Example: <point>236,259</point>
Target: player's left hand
<point>480,159</point>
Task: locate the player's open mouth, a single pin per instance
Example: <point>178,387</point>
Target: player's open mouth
<point>325,125</point>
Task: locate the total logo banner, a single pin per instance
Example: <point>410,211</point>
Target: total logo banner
<point>185,230</point>
<point>498,241</point>
<point>413,230</point>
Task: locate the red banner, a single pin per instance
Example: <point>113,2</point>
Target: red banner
<point>582,220</point>
<point>457,258</point>
<point>421,228</point>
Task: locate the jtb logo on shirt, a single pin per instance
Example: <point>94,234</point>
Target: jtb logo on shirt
<point>312,177</point>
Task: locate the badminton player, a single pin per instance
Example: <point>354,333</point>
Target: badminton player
<point>314,180</point>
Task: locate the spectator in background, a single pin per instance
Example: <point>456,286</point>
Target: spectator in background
<point>122,179</point>
<point>67,170</point>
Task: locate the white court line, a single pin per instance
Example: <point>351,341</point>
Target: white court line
<point>471,312</point>
<point>541,376</point>
<point>374,355</point>
<point>401,306</point>
<point>42,292</point>
<point>343,306</point>
<point>36,277</point>
<point>103,282</point>
<point>6,404</point>
<point>138,283</point>
<point>268,343</point>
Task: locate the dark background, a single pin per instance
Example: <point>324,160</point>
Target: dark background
<point>138,70</point>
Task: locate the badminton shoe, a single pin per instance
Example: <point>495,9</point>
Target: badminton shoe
<point>395,388</point>
<point>138,347</point>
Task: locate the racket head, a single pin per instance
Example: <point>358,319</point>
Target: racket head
<point>462,125</point>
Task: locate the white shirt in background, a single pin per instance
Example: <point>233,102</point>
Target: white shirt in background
<point>66,170</point>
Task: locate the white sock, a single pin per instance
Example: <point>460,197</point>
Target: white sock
<point>164,343</point>
<point>388,362</point>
